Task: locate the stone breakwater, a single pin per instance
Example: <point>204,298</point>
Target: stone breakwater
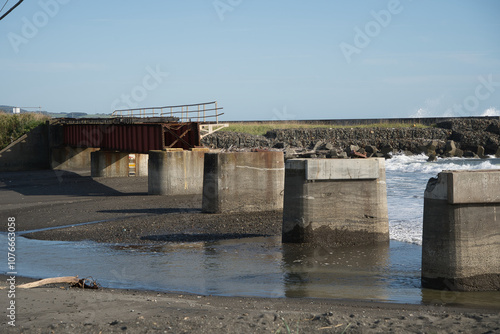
<point>461,137</point>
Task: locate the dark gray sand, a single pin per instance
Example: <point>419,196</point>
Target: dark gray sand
<point>48,199</point>
<point>62,310</point>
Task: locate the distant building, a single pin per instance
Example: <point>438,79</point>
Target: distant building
<point>16,110</point>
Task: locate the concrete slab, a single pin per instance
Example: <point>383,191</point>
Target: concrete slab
<point>342,169</point>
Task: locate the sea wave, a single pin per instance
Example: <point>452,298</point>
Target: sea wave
<point>419,164</point>
<point>407,178</point>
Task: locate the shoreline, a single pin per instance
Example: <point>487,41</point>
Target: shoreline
<point>50,199</point>
<point>59,309</point>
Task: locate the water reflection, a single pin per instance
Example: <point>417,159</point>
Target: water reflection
<point>345,273</point>
<point>261,267</point>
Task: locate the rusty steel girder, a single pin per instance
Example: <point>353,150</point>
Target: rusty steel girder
<point>133,138</point>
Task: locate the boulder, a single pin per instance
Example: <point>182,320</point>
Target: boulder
<point>318,146</point>
<point>432,158</point>
<point>432,146</point>
<point>332,154</point>
<point>279,145</point>
<point>494,127</point>
<point>352,148</point>
<point>469,154</point>
<point>371,149</point>
<point>328,146</point>
<point>480,152</point>
<point>386,149</point>
<point>450,147</point>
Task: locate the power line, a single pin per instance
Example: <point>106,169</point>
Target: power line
<point>4,5</point>
<point>10,10</point>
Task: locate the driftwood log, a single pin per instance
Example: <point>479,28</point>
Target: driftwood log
<point>52,280</point>
<point>84,283</point>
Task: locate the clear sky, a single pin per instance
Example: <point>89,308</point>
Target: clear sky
<point>261,60</point>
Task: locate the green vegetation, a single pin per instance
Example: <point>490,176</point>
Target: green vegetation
<point>13,126</point>
<point>261,129</point>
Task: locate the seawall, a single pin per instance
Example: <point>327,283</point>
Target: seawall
<point>471,136</point>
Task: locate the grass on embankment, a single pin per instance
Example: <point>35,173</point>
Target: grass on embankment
<point>261,129</point>
<point>13,126</point>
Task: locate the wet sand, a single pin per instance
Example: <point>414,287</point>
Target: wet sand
<point>49,199</point>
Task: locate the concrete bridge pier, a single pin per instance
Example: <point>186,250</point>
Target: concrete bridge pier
<point>243,182</point>
<point>141,164</point>
<point>109,164</point>
<point>176,172</point>
<point>335,202</point>
<point>461,231</point>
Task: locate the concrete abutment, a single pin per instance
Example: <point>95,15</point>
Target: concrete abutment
<point>71,158</point>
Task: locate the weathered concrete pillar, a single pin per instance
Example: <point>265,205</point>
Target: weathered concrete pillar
<point>335,202</point>
<point>71,158</point>
<point>243,181</point>
<point>109,164</point>
<point>141,164</point>
<point>176,172</point>
<point>461,231</point>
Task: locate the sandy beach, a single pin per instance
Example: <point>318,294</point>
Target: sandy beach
<point>127,215</point>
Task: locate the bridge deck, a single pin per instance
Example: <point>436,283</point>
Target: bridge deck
<point>135,137</point>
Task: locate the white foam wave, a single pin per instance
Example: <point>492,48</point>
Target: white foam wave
<point>407,178</point>
<point>491,112</point>
<point>419,164</point>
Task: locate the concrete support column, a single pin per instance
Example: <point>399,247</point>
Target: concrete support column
<point>141,164</point>
<point>335,202</point>
<point>109,164</point>
<point>461,231</point>
<point>176,172</point>
<point>243,181</point>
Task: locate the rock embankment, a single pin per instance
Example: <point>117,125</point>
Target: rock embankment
<point>460,137</point>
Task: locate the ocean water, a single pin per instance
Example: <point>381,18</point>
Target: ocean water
<point>264,267</point>
<point>407,178</point>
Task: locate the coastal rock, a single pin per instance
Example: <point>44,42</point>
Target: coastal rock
<point>450,148</point>
<point>480,152</point>
<point>470,154</point>
<point>494,128</point>
<point>371,149</point>
<point>466,134</point>
<point>432,158</point>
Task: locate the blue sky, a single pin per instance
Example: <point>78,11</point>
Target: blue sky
<point>261,60</point>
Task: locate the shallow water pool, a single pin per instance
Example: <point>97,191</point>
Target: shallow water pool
<point>259,266</point>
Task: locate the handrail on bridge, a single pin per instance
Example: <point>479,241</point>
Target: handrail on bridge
<point>198,112</point>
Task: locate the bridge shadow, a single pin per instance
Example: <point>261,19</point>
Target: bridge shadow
<point>158,211</point>
<point>182,237</point>
<point>58,182</point>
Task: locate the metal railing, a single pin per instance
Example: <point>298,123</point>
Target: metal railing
<point>199,112</point>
